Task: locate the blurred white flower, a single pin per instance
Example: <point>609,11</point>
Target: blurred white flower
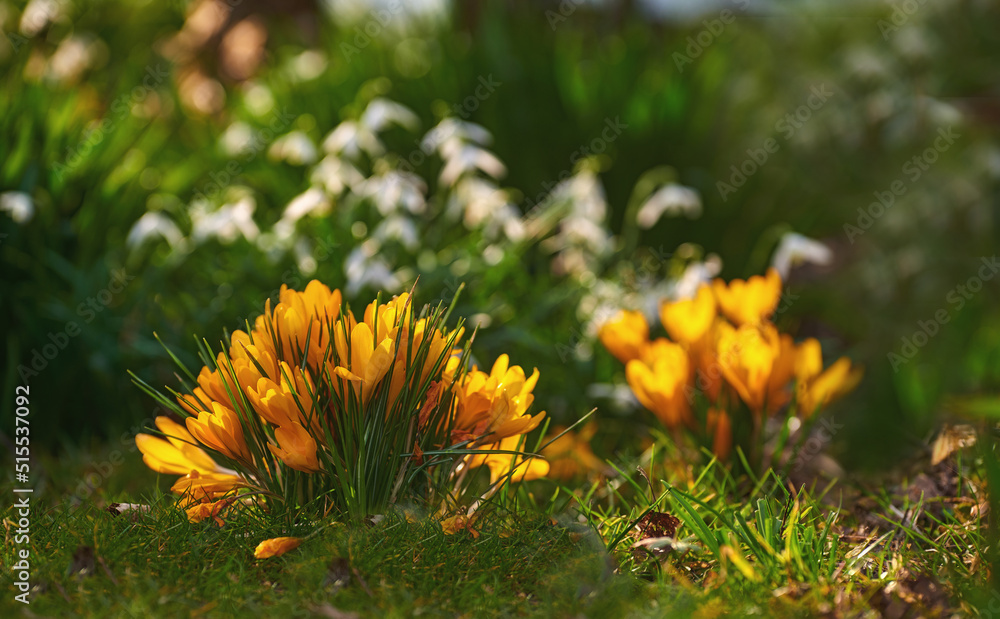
<point>227,223</point>
<point>73,56</point>
<point>365,268</point>
<point>154,224</point>
<point>671,199</point>
<point>695,275</point>
<point>39,14</point>
<point>451,134</point>
<point>295,147</point>
<point>18,204</point>
<point>258,98</point>
<point>335,175</point>
<point>309,65</point>
<point>304,257</point>
<point>400,228</point>
<point>393,189</point>
<point>351,139</point>
<point>381,113</point>
<point>236,138</point>
<point>581,238</point>
<point>311,201</point>
<point>468,159</point>
<point>482,205</point>
<point>795,249</point>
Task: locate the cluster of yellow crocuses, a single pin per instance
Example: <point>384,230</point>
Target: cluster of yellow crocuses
<point>313,391</point>
<point>724,351</point>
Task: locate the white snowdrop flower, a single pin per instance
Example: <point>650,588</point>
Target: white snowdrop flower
<point>335,174</point>
<point>351,139</point>
<point>866,64</point>
<point>468,159</point>
<point>451,133</point>
<point>400,228</point>
<point>18,204</point>
<point>227,223</point>
<point>913,43</point>
<point>695,275</point>
<point>309,65</point>
<point>258,98</point>
<point>393,189</point>
<point>236,138</point>
<point>71,58</point>
<point>795,249</point>
<point>365,268</point>
<point>311,201</point>
<point>295,147</point>
<point>482,205</point>
<point>671,199</point>
<point>381,113</point>
<point>154,224</point>
<point>304,258</point>
<point>39,14</point>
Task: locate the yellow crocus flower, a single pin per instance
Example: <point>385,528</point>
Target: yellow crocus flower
<point>220,430</point>
<point>520,468</point>
<point>296,448</point>
<point>625,335</point>
<point>493,406</point>
<point>818,390</point>
<point>661,381</point>
<point>746,357</point>
<point>368,363</point>
<point>749,302</point>
<point>688,321</point>
<point>177,454</point>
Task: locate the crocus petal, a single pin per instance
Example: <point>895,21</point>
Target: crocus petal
<point>276,547</point>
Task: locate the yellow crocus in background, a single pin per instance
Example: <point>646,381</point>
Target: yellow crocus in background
<point>749,302</point>
<point>688,321</point>
<point>746,357</point>
<point>625,335</point>
<point>661,381</point>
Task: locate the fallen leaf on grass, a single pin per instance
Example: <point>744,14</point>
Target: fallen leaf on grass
<point>453,525</point>
<point>134,510</point>
<point>655,534</point>
<point>276,547</point>
<point>950,440</point>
